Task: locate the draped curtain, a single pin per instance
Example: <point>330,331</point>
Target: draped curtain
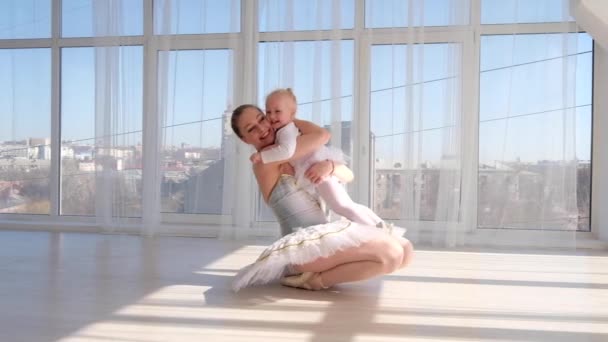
<point>458,117</point>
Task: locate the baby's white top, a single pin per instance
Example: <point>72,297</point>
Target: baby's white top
<point>285,141</point>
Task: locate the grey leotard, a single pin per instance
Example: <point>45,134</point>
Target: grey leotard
<point>293,206</point>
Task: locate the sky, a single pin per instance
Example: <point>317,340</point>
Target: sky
<point>520,76</point>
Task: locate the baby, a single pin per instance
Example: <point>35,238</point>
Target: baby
<point>281,109</point>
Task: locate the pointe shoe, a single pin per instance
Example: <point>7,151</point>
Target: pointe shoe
<point>387,227</point>
<point>390,228</point>
<point>302,281</point>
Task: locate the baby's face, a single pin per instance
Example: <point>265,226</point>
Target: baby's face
<point>279,110</point>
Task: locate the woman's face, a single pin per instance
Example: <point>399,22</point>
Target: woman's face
<point>255,128</point>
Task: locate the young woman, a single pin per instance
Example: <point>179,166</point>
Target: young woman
<point>320,254</point>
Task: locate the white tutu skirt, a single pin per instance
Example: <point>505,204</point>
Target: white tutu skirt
<point>304,246</point>
<point>303,164</point>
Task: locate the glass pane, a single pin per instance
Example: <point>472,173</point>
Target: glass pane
<point>305,15</point>
<point>84,151</point>
<point>100,18</point>
<point>197,16</point>
<point>535,131</point>
<point>404,13</point>
<point>25,133</point>
<point>196,100</point>
<point>524,11</point>
<point>25,19</point>
<point>415,108</point>
<point>321,76</point>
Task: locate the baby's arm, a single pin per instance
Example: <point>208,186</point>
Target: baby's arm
<point>285,145</point>
<point>312,138</point>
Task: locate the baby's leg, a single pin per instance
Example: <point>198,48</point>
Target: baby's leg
<point>339,201</point>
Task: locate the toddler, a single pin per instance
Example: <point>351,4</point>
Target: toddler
<point>281,109</point>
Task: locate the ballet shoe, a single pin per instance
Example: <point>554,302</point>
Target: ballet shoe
<point>390,227</point>
<point>387,227</point>
<point>302,281</point>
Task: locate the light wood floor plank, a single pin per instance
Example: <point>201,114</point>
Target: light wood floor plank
<point>90,287</point>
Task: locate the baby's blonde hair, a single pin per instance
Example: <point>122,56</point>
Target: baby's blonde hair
<point>285,92</point>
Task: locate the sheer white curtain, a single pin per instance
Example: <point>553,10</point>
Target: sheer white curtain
<point>462,144</point>
<point>196,96</point>
<point>400,100</point>
<point>458,116</point>
<point>171,169</point>
<point>535,123</point>
<point>418,115</point>
<point>305,50</point>
<point>117,120</point>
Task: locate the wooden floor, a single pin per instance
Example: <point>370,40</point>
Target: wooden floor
<point>88,287</point>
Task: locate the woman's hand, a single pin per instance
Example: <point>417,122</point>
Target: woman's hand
<point>256,158</point>
<point>319,171</point>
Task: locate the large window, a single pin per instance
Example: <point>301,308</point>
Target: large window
<point>305,15</point>
<point>25,133</point>
<point>196,16</point>
<point>535,131</point>
<point>25,19</point>
<point>195,102</point>
<point>414,111</point>
<point>89,148</point>
<point>89,18</point>
<point>523,11</point>
<point>457,114</point>
<point>404,13</point>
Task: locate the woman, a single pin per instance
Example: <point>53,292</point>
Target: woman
<point>322,254</point>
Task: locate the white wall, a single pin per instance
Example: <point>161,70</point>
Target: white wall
<point>599,209</point>
<point>592,16</point>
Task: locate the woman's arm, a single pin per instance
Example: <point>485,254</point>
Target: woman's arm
<point>318,171</point>
<point>312,138</point>
<point>267,176</point>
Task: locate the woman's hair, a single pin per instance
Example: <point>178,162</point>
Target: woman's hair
<point>286,92</point>
<point>236,114</point>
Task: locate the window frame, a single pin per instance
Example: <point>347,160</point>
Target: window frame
<point>196,224</point>
<point>244,46</point>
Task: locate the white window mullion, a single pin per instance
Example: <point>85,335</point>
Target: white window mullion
<point>417,30</point>
<point>498,29</point>
<point>305,35</point>
<point>198,42</point>
<point>470,122</point>
<point>100,41</point>
<point>150,172</point>
<point>475,13</point>
<point>599,183</point>
<point>55,172</point>
<point>453,36</point>
<point>362,164</point>
<point>26,43</point>
<point>244,211</point>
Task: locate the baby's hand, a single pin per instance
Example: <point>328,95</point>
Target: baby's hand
<point>319,171</point>
<point>256,158</point>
